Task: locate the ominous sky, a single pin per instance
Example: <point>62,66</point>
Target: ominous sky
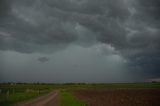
<point>79,40</point>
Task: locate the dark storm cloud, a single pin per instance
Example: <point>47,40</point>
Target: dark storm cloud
<point>4,8</point>
<point>43,59</point>
<point>150,8</point>
<point>131,27</point>
<point>32,24</point>
<point>143,40</point>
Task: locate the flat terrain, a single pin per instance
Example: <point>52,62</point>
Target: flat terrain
<point>80,94</point>
<point>49,100</point>
<point>120,97</point>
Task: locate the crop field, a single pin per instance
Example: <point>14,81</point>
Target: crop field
<point>118,94</point>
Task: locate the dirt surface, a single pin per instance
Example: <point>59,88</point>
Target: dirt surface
<point>51,99</point>
<point>120,97</point>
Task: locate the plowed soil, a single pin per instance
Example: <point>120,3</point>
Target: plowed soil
<point>140,97</point>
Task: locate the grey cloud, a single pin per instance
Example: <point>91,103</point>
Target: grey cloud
<point>150,8</point>
<point>53,22</point>
<point>74,64</point>
<point>4,8</point>
<point>43,59</point>
<point>131,27</point>
<point>145,40</point>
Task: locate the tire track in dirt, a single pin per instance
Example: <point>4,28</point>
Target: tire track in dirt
<point>52,99</point>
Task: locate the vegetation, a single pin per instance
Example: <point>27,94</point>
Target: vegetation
<point>11,93</point>
<point>68,99</point>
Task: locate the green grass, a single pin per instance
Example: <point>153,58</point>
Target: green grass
<point>17,97</point>
<point>68,99</point>
<point>126,86</point>
<point>11,94</point>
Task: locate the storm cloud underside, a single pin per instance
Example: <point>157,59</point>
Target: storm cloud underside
<point>79,40</point>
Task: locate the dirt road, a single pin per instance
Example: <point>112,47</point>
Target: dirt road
<point>49,100</point>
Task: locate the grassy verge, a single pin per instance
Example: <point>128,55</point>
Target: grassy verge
<point>68,99</point>
<point>11,94</point>
<point>17,97</point>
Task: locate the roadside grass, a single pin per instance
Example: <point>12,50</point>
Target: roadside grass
<point>68,99</point>
<point>12,94</point>
<point>17,97</point>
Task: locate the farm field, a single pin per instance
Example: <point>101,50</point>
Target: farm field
<point>121,97</point>
<point>135,94</point>
<point>70,94</point>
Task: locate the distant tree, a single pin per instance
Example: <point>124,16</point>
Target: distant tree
<point>154,81</point>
